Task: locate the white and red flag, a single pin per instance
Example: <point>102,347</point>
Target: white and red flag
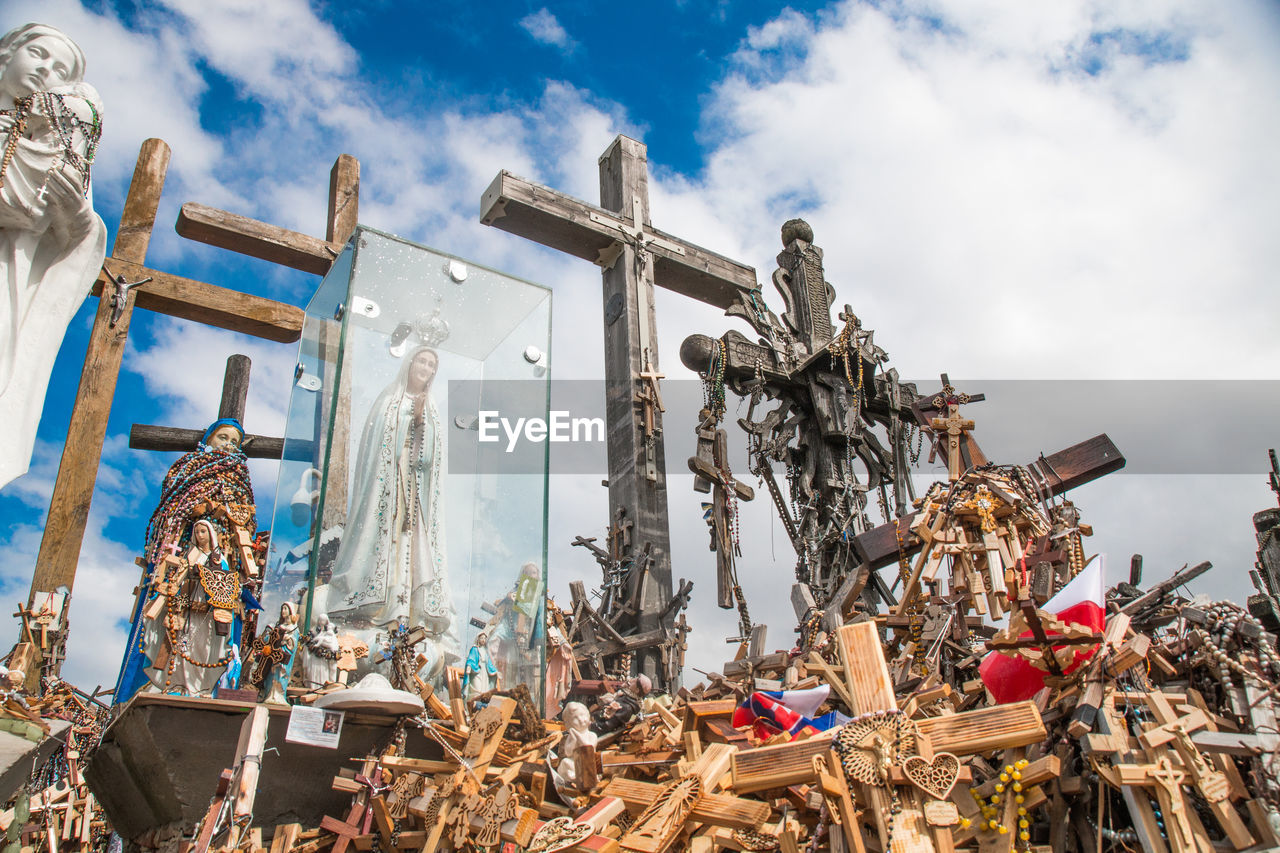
<point>1079,604</point>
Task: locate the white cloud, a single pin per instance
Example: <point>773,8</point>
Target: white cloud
<point>543,27</point>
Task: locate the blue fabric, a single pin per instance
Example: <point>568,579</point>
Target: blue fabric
<point>133,668</point>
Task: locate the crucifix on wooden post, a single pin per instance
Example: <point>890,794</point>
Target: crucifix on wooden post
<point>634,257</point>
<point>125,283</point>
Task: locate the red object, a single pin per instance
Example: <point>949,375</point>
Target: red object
<point>1010,678</point>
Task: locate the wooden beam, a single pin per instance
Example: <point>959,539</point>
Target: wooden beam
<point>1079,464</point>
<point>149,437</point>
<point>344,199</point>
<point>1008,726</point>
<point>78,470</point>
<point>715,809</point>
<point>256,239</point>
<point>553,219</point>
<point>209,304</point>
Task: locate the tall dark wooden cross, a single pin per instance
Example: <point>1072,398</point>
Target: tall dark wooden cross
<point>634,257</point>
<point>125,282</point>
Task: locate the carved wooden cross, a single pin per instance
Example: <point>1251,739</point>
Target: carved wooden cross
<point>178,297</point>
<point>955,427</point>
<point>634,257</point>
<point>711,466</point>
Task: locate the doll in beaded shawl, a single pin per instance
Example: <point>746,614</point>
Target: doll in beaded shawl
<point>391,563</point>
<point>215,472</point>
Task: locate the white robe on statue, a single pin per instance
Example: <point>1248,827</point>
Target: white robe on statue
<point>47,272</point>
<point>391,562</point>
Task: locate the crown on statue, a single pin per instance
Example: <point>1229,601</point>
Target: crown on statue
<point>433,330</point>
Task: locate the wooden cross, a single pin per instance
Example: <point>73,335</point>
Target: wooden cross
<point>650,399</point>
<point>1059,472</point>
<point>711,466</point>
<point>620,535</point>
<point>955,427</point>
<point>235,391</point>
<point>179,297</point>
<point>634,257</point>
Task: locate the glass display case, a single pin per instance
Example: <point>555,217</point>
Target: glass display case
<point>397,515</point>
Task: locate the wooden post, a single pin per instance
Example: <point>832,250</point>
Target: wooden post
<point>235,388</point>
<point>253,737</point>
<point>78,471</point>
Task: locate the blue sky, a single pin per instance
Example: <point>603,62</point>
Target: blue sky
<point>1077,190</point>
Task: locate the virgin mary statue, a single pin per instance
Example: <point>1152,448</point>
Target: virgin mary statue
<point>391,562</point>
<point>51,242</point>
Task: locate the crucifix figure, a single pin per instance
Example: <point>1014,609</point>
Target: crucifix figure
<point>634,258</point>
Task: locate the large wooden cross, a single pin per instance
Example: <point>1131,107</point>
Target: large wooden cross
<point>123,287</point>
<point>634,257</point>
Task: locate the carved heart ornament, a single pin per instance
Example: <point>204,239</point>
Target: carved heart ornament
<point>935,778</point>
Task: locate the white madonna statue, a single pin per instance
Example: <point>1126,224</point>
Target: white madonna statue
<point>51,242</point>
<point>391,562</point>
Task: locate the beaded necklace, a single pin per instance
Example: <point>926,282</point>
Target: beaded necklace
<point>195,478</point>
<point>65,124</point>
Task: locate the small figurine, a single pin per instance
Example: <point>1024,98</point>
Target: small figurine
<point>559,671</point>
<point>272,659</point>
<point>480,674</point>
<point>230,679</point>
<point>615,713</point>
<point>516,629</point>
<point>577,721</point>
<point>320,653</point>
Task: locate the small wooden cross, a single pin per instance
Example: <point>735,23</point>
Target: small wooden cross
<point>620,535</point>
<point>348,830</point>
<point>720,512</point>
<point>170,574</point>
<point>650,399</point>
<point>955,427</point>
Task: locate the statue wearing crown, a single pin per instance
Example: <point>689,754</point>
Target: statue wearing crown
<point>391,563</point>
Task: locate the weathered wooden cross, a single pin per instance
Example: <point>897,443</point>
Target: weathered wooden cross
<point>634,257</point>
<point>235,392</point>
<point>124,287</point>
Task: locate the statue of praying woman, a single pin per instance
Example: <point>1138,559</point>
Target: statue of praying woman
<point>391,562</point>
<point>51,242</point>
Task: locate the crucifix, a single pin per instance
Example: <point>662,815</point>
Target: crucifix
<point>959,449</point>
<point>124,288</point>
<point>711,467</point>
<point>955,427</point>
<point>634,258</point>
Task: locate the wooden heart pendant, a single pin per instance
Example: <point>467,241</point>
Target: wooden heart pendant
<point>937,778</point>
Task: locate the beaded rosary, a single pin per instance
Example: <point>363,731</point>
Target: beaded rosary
<point>194,479</point>
<point>65,123</point>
